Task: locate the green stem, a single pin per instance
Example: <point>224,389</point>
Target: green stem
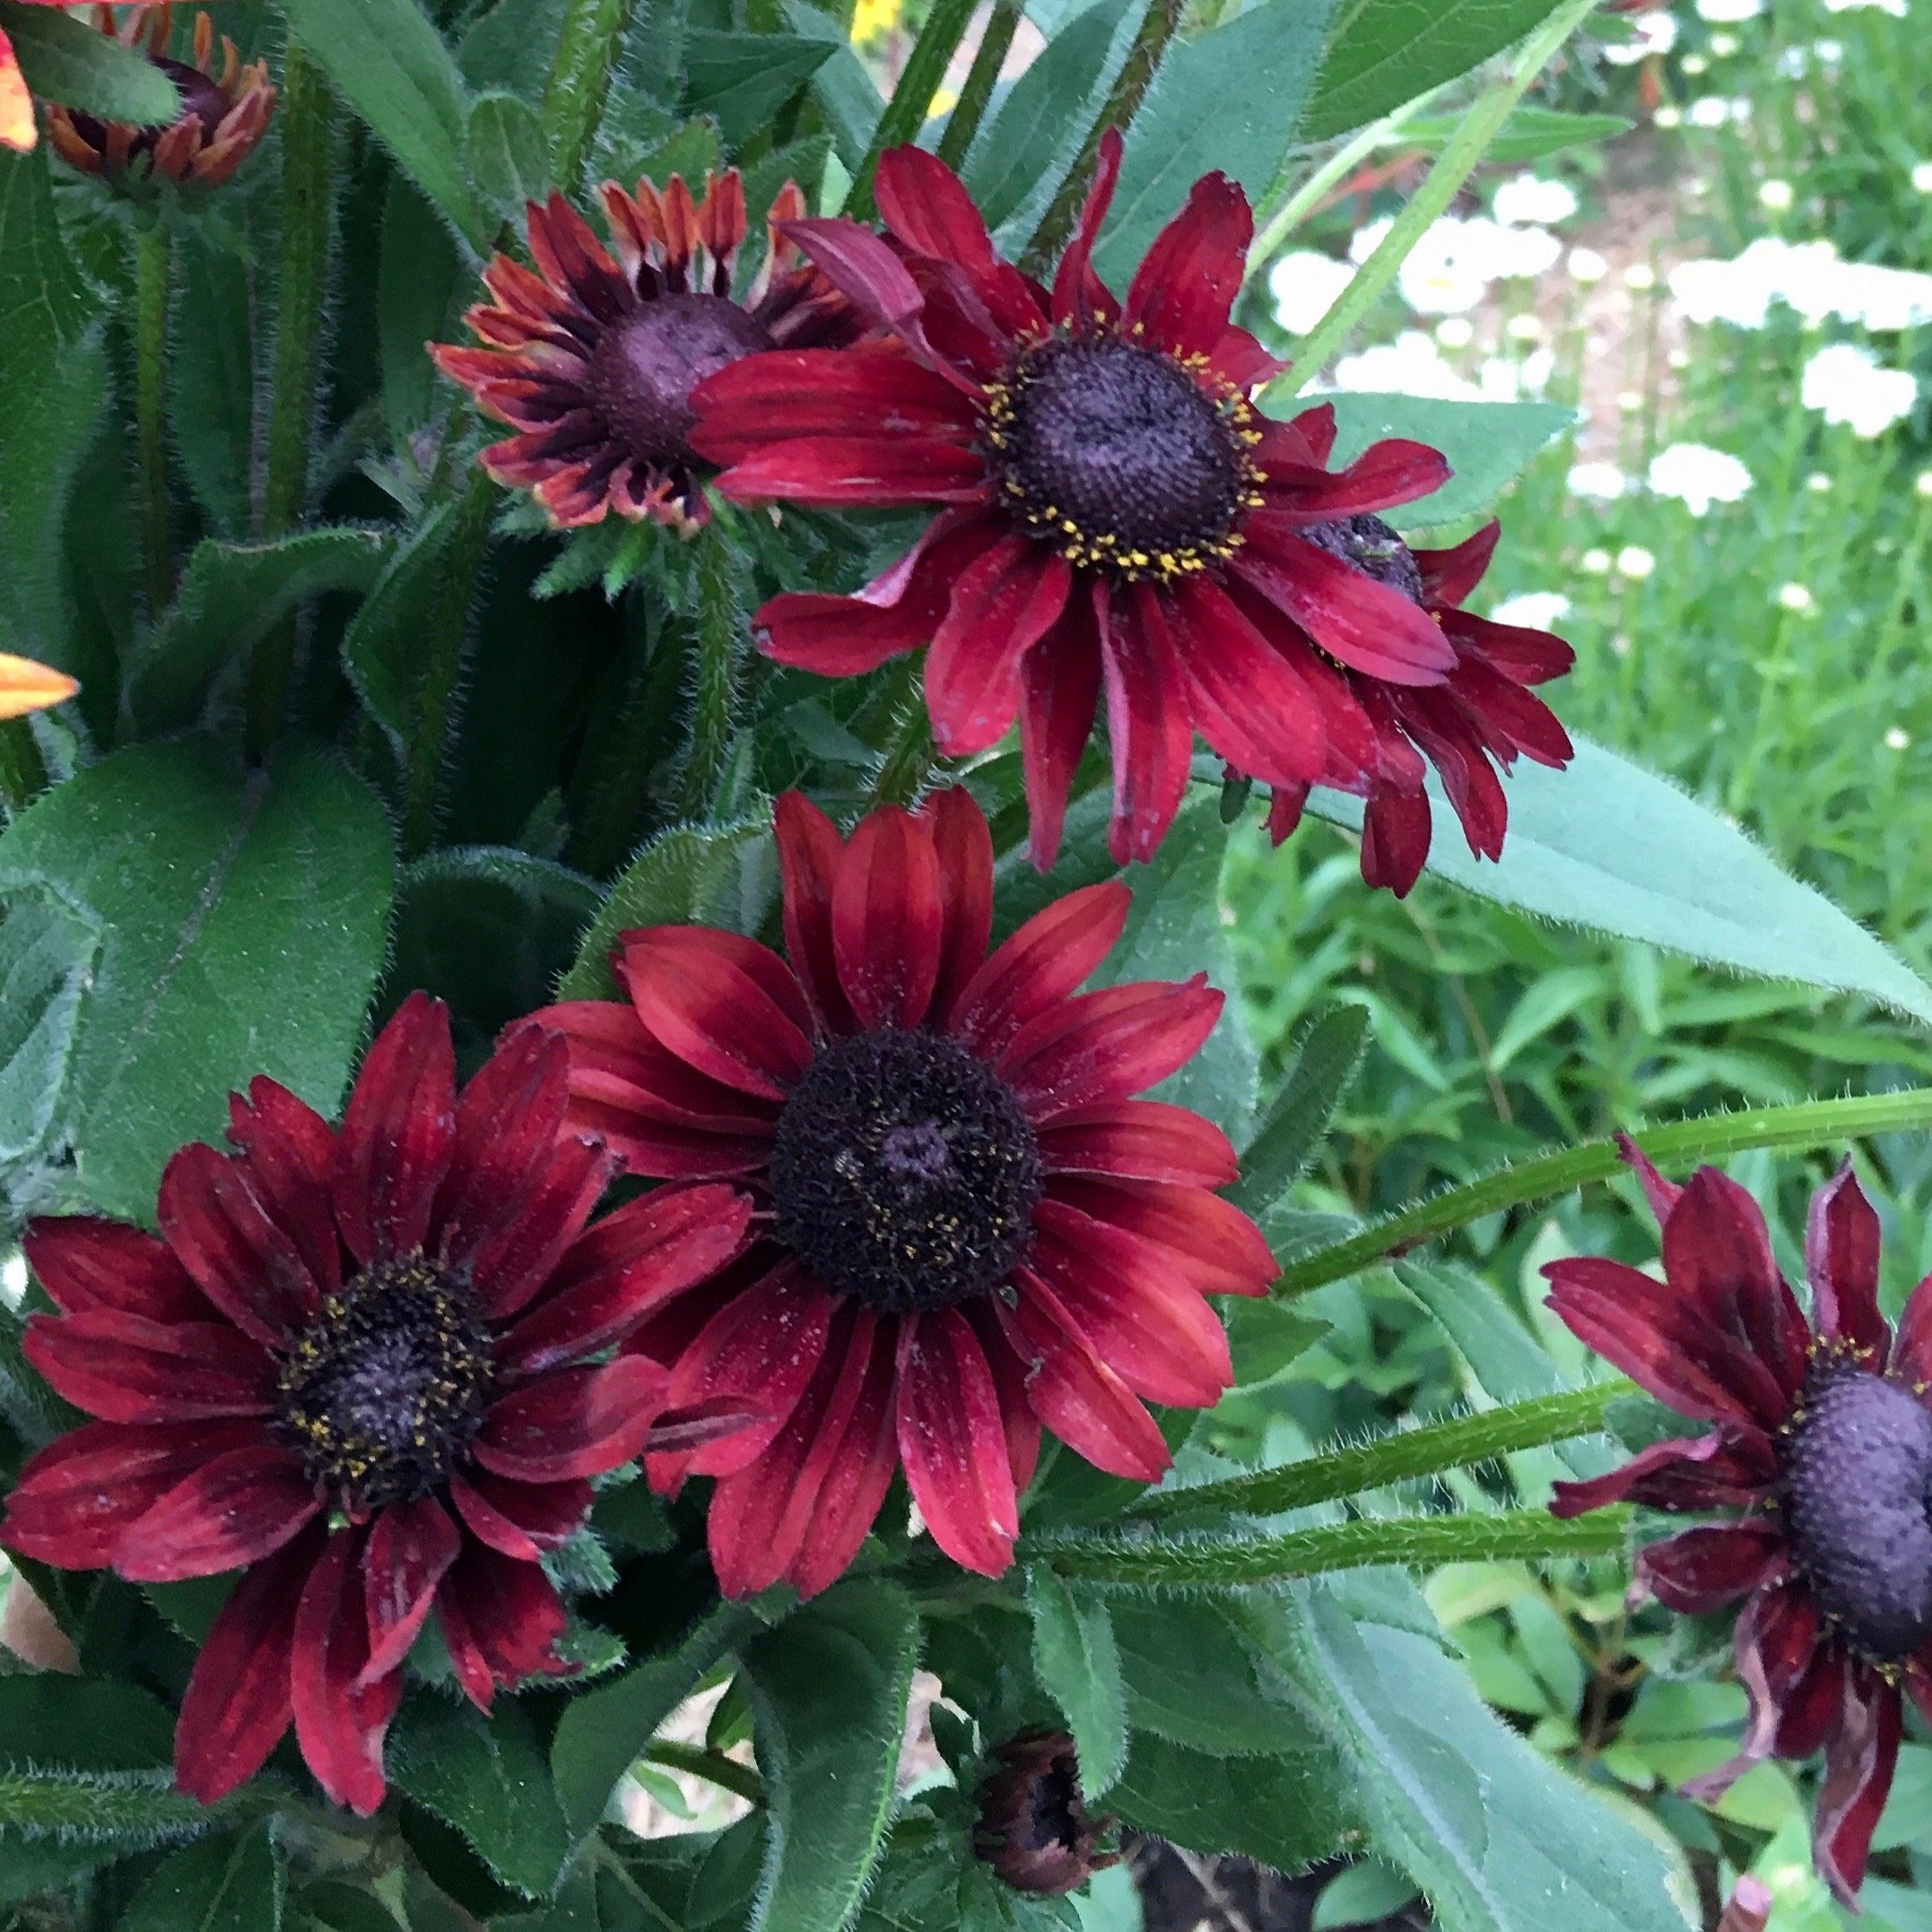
<point>1397,1458</point>
<point>988,57</point>
<point>906,762</point>
<point>22,769</point>
<point>1157,27</point>
<point>580,82</point>
<point>306,119</point>
<point>1196,1562</point>
<point>1453,167</point>
<point>714,703</point>
<point>1806,1124</point>
<point>713,1766</point>
<point>905,113</point>
<point>151,412</point>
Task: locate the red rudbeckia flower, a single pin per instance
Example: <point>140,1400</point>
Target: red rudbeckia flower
<point>592,359</point>
<point>968,1225</point>
<point>354,1368</point>
<point>1114,514</point>
<point>1821,1443</point>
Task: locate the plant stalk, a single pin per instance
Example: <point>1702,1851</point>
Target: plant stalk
<point>714,699</point>
<point>963,123</point>
<point>1708,1136</point>
<point>906,762</point>
<point>713,1766</point>
<point>151,292</point>
<point>581,83</point>
<point>307,124</point>
<point>1429,1450</point>
<point>1158,28</point>
<point>1206,1562</point>
<point>905,113</point>
<point>1439,187</point>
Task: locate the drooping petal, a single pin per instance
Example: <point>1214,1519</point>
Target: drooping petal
<point>521,1519</point>
<point>888,917</point>
<point>1730,1468</point>
<point>1842,1260</point>
<point>124,1369</point>
<point>1705,1569</point>
<point>964,844</point>
<point>1390,473</point>
<point>1004,604</point>
<point>236,1508</point>
<point>1152,735</point>
<point>1858,1764</point>
<point>573,1422</point>
<point>1449,576</point>
<point>1060,689</point>
<point>339,1723</point>
<point>500,1620</point>
<point>952,1441</point>
<point>1779,1652</point>
<point>410,1548</point>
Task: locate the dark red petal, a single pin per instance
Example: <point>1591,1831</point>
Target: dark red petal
<point>398,1134</point>
<point>1188,279</point>
<point>1705,1569</point>
<point>888,917</point>
<point>1911,1351</point>
<point>1061,691</point>
<point>1239,358</point>
<point>668,1242</point>
<point>514,1264</point>
<point>809,851</point>
<point>1209,1239</point>
<point>1139,1140</point>
<point>339,1724</point>
<point>1040,965</point>
<point>86,1263</point>
<point>1002,606</point>
<point>1147,722</point>
<point>854,260</point>
<point>1109,1045</point>
<point>1076,1395</point>
<point>76,1498</point>
<point>1313,433</point>
<point>717,1016</point>
<point>1011,1367</point>
<point>1386,474</point>
<point>1661,1194</point>
<point>126,1369</point>
<point>964,844</point>
<point>867,391</point>
<point>236,1508</point>
<point>1858,1764</point>
<point>227,1238</point>
<point>1395,838</point>
<point>857,472</point>
<point>573,1422</point>
<point>1782,1663</point>
<point>1080,298</point>
<point>1728,1468</point>
<point>291,1153</point>
<point>237,1701</point>
<point>952,1441</point>
<point>1449,576</point>
<point>410,1549</point>
<point>1841,1259</point>
<point>501,1620</point>
<point>926,207</point>
<point>521,1519</point>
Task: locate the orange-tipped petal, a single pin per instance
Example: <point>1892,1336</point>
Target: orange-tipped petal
<point>16,105</point>
<point>27,686</point>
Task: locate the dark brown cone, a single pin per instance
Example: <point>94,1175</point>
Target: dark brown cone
<point>1034,1829</point>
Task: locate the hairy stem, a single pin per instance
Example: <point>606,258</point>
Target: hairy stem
<point>306,118</point>
<point>22,769</point>
<point>905,113</point>
<point>1157,27</point>
<point>1453,167</point>
<point>713,1766</point>
<point>906,762</point>
<point>580,82</point>
<point>963,123</point>
<point>1805,1123</point>
<point>1415,1452</point>
<point>1194,1562</point>
<point>714,704</point>
<point>151,256</point>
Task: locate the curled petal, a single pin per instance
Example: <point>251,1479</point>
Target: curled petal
<point>1841,1259</point>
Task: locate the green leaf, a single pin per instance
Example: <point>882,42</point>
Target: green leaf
<point>231,595</point>
<point>1608,845</point>
<point>422,289</point>
<point>1173,932</point>
<point>72,61</point>
<point>47,958</point>
<point>212,377</point>
<point>1079,1668</point>
<point>1286,1810</point>
<point>843,89</point>
<point>1326,1060</point>
<point>1528,134</point>
<point>691,874</point>
<point>1364,1894</point>
<point>222,1884</point>
<point>333,1906</point>
<point>602,1734</point>
<point>509,157</point>
<point>1195,1675</point>
<point>489,1778</point>
<point>1229,99</point>
<point>742,80</point>
<point>386,60</point>
<point>238,925</point>
<point>1488,445</point>
<point>1384,52</point>
<point>829,1689</point>
<point>381,650</point>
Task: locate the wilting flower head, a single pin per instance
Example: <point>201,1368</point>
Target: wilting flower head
<point>224,113</point>
<point>26,686</point>
<point>968,1227</point>
<point>357,1367</point>
<point>1034,1829</point>
<point>1114,514</point>
<point>1821,1449</point>
<point>592,357</point>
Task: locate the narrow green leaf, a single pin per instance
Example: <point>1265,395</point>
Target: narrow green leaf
<point>1608,845</point>
<point>489,1778</point>
<point>743,79</point>
<point>72,61</point>
<point>212,377</point>
<point>509,155</point>
<point>829,1689</point>
<point>1079,1668</point>
<point>222,1884</point>
<point>1326,1060</point>
<point>1528,134</point>
<point>423,287</point>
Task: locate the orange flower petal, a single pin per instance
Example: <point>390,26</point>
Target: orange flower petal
<point>27,686</point>
<point>16,105</point>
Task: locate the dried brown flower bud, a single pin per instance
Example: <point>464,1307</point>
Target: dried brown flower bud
<point>1034,1828</point>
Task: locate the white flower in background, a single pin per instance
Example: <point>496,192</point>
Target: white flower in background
<point>1529,199</point>
<point>1368,238</point>
<point>1776,196</point>
<point>1795,63</point>
<point>1668,117</point>
<point>1737,291</point>
<point>1677,359</point>
<point>1411,365</point>
<point>1695,65</point>
<point>1698,476</point>
<point>1455,332</point>
<point>1594,562</point>
<point>1898,739</point>
<point>1437,278</point>
<point>1883,299</point>
<point>1741,107</point>
<point>1631,402</point>
<point>1729,13</point>
<point>1601,483</point>
<point>1586,266</point>
<point>1525,327</point>
<point>1796,598</point>
<point>1640,277</point>
<point>1896,8</point>
<point>1921,177</point>
<point>1713,110</point>
<point>1924,485</point>
<point>1829,52</point>
<point>1305,285</point>
<point>1724,44</point>
<point>1635,562</point>
<point>1655,33</point>
<point>1845,384</point>
<point>1534,610</point>
<point>1501,380</point>
<point>1818,484</point>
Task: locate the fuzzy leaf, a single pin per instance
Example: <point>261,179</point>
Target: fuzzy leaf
<point>47,958</point>
<point>72,61</point>
<point>742,80</point>
<point>509,157</point>
<point>1079,1668</point>
<point>423,287</point>
<point>222,1884</point>
<point>1326,1059</point>
<point>1286,1810</point>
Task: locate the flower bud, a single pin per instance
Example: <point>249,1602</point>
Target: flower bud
<point>1034,1828</point>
